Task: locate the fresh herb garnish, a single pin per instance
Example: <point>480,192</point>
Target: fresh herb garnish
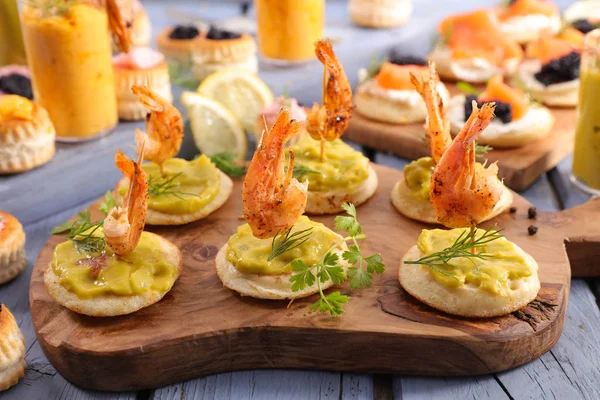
<point>179,78</point>
<point>288,241</point>
<point>465,246</point>
<point>328,267</point>
<point>300,171</point>
<point>82,231</point>
<point>167,187</point>
<point>481,150</point>
<point>48,8</point>
<point>375,66</point>
<point>226,163</point>
<point>467,88</point>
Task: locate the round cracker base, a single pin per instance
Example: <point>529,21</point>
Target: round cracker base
<point>467,300</point>
<point>421,210</point>
<point>319,203</point>
<point>110,305</point>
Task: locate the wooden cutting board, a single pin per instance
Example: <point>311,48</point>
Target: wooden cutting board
<point>202,328</point>
<point>519,167</point>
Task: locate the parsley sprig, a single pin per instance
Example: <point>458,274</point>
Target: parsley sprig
<point>329,268</point>
<point>465,246</point>
<point>300,171</point>
<point>226,163</point>
<point>82,231</point>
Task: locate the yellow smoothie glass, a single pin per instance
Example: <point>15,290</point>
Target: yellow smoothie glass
<point>11,41</point>
<point>288,29</point>
<point>586,155</point>
<point>68,47</point>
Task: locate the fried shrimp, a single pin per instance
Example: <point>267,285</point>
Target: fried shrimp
<point>462,192</point>
<point>329,121</point>
<point>437,125</point>
<point>273,199</point>
<point>117,25</point>
<point>164,127</point>
<point>124,225</point>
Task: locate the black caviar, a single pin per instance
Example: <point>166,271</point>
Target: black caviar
<point>399,59</point>
<point>563,69</point>
<point>220,34</point>
<point>181,32</point>
<point>503,111</point>
<point>583,25</point>
<point>16,84</point>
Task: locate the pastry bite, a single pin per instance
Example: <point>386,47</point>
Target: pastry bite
<point>517,121</point>
<point>112,267</point>
<point>336,173</point>
<point>380,13</point>
<point>141,66</point>
<point>551,73</point>
<point>16,79</point>
<point>390,96</point>
<point>180,191</point>
<point>26,135</point>
<point>527,20</point>
<point>583,15</point>
<point>12,247</point>
<point>267,116</point>
<point>467,271</point>
<point>12,343</point>
<point>473,48</point>
<point>220,49</point>
<point>176,43</point>
<point>411,194</point>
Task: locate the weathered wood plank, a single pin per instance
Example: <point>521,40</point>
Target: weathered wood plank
<point>571,369</point>
<point>425,388</point>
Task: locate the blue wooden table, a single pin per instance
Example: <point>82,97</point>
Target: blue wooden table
<point>80,174</point>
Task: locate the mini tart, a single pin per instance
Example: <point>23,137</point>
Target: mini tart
<point>211,55</point>
<point>128,74</point>
<point>12,350</point>
<point>12,247</point>
<point>109,305</point>
<point>418,209</point>
<point>534,125</point>
<point>176,51</point>
<point>563,94</point>
<point>380,13</point>
<point>467,300</point>
<point>393,106</point>
<point>262,286</point>
<point>25,143</point>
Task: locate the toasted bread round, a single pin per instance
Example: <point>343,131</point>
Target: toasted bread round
<point>564,94</point>
<point>376,106</point>
<point>534,125</point>
<point>331,202</point>
<point>271,287</point>
<point>12,356</point>
<point>418,209</point>
<point>110,305</point>
<point>12,247</point>
<point>467,300</point>
<point>154,217</point>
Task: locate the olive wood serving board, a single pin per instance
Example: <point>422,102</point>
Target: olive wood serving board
<point>202,328</point>
<point>519,166</point>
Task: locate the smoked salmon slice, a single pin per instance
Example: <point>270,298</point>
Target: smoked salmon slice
<point>397,77</point>
<point>497,90</point>
<point>548,48</point>
<point>530,7</point>
<point>478,34</point>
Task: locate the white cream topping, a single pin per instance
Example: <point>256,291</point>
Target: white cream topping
<point>524,24</point>
<point>526,77</point>
<point>583,9</point>
<point>475,69</point>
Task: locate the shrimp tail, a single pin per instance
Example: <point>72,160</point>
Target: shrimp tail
<point>117,26</point>
<point>149,99</point>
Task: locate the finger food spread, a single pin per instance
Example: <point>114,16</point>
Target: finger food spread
<point>12,247</point>
<point>12,343</point>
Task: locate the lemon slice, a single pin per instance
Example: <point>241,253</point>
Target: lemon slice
<point>215,128</point>
<point>242,92</point>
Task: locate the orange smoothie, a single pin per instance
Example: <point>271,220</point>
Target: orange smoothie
<point>288,29</point>
<point>69,54</point>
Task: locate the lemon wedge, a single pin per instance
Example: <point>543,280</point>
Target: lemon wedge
<point>242,92</point>
<point>215,128</point>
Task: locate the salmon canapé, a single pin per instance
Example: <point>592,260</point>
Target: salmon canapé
<point>497,90</point>
<point>521,8</point>
<point>478,35</point>
<point>397,77</point>
<point>548,48</point>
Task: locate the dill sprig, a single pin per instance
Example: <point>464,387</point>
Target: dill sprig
<point>226,162</point>
<point>300,171</point>
<point>167,187</point>
<point>481,150</point>
<point>465,246</point>
<point>467,88</point>
<point>288,241</point>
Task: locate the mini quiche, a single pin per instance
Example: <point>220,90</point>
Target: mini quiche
<point>517,121</point>
<point>26,135</point>
<point>390,96</point>
<point>12,343</point>
<point>12,247</point>
<point>473,48</point>
<point>551,73</point>
<point>527,20</point>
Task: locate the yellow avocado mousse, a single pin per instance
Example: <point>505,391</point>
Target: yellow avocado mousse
<point>343,175</point>
<point>466,271</point>
<point>411,194</point>
<point>186,191</point>
<point>112,267</point>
